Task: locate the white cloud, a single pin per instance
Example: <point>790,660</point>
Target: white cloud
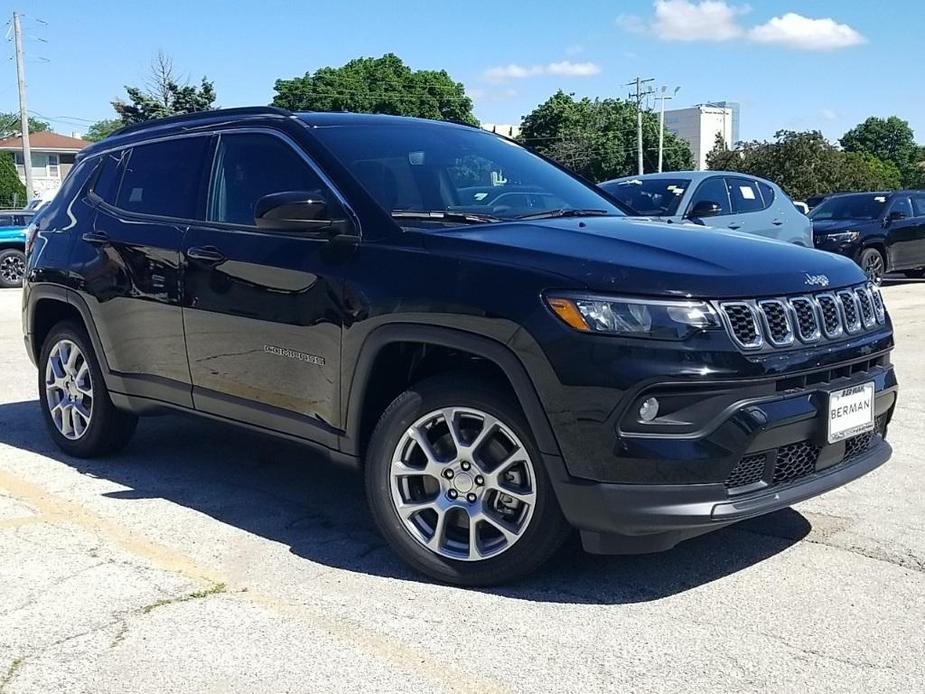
<point>707,20</point>
<point>796,31</point>
<point>828,114</point>
<point>503,73</point>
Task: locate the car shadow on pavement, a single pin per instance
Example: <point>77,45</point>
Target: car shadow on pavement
<point>280,491</point>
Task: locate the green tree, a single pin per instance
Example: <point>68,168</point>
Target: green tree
<point>10,125</point>
<point>102,128</point>
<point>377,85</point>
<point>805,164</point>
<point>12,191</point>
<point>165,94</point>
<point>889,140</point>
<point>597,138</point>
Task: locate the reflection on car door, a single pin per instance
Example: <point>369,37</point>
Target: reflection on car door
<point>128,263</point>
<point>261,308</point>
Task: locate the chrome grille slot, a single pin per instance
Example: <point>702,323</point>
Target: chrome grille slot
<point>743,324</point>
<point>866,305</point>
<point>831,318</point>
<point>850,310</point>
<point>879,309</point>
<point>807,323</point>
<point>777,322</point>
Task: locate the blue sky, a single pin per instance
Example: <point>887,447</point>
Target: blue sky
<point>824,64</point>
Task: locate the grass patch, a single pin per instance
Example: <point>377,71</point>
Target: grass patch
<point>10,673</point>
<point>212,590</point>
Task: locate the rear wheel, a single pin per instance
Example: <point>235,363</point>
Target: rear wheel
<point>872,262</point>
<point>75,403</point>
<point>457,487</point>
<point>12,267</point>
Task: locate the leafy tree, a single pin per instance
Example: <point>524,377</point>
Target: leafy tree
<point>377,85</point>
<point>10,125</point>
<point>12,191</point>
<point>805,164</point>
<point>890,140</point>
<point>164,95</point>
<point>597,138</point>
<point>102,128</point>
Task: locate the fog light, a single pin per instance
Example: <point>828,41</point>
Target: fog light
<point>649,410</point>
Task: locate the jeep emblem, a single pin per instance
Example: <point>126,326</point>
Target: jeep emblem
<point>816,280</point>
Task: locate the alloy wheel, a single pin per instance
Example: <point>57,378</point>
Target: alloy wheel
<point>69,389</point>
<point>463,484</point>
<point>12,269</point>
<point>873,266</point>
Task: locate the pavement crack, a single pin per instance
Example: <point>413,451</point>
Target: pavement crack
<point>214,589</point>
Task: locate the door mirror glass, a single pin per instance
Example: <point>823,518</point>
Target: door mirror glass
<point>705,208</point>
<point>895,216</point>
<point>298,210</point>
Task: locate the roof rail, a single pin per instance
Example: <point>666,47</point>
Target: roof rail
<point>201,115</point>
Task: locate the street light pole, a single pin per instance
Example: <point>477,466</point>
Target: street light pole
<point>638,96</point>
<point>23,112</point>
<point>661,123</point>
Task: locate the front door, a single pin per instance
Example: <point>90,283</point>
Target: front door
<point>261,308</point>
<point>902,231</point>
<point>715,190</point>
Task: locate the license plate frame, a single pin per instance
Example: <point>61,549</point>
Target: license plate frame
<point>850,411</point>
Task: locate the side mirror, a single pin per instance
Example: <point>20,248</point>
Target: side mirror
<point>895,216</point>
<point>705,208</point>
<point>299,210</point>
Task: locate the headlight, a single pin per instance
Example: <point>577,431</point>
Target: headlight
<point>654,318</point>
<point>843,236</point>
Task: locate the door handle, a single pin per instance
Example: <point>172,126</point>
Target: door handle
<point>97,238</point>
<point>777,222</point>
<point>735,225</point>
<point>208,254</point>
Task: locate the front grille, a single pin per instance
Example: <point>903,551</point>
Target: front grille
<point>795,461</point>
<point>747,471</point>
<point>776,322</point>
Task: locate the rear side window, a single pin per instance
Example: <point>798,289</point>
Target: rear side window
<point>249,166</point>
<point>918,205</point>
<point>712,190</point>
<point>163,178</point>
<point>106,185</point>
<point>745,195</point>
<point>901,205</point>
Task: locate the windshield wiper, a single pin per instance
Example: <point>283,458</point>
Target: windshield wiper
<point>446,216</point>
<point>565,212</point>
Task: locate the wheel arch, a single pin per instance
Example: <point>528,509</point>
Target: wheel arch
<point>493,352</point>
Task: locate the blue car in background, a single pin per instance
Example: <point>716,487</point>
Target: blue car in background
<point>13,225</point>
<point>717,199</point>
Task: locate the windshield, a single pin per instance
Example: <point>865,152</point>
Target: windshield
<point>651,197</point>
<point>453,175</point>
<point>862,206</point>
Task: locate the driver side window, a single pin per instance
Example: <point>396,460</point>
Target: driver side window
<point>713,189</point>
<point>249,166</point>
<point>901,205</point>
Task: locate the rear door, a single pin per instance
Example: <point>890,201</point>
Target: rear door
<point>129,262</point>
<point>917,249</point>
<point>902,235</point>
<point>261,308</point>
<point>749,208</point>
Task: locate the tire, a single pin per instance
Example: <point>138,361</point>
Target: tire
<point>873,264</point>
<point>102,429</point>
<point>12,267</point>
<point>915,274</point>
<point>512,536</point>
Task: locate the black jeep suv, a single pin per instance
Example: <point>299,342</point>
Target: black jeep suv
<point>501,368</point>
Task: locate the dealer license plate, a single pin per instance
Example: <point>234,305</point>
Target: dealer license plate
<point>851,411</point>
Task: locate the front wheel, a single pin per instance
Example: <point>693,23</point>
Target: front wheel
<point>456,485</point>
<point>12,268</point>
<point>872,262</point>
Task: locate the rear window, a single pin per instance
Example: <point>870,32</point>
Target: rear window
<point>652,197</point>
<point>163,178</point>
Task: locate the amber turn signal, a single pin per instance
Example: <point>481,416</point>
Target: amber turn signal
<point>567,311</point>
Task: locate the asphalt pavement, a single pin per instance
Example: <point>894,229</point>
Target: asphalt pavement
<point>209,559</point>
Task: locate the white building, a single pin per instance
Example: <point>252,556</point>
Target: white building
<point>511,131</point>
<point>699,125</point>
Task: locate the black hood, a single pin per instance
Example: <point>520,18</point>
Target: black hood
<point>831,226</point>
<point>614,254</point>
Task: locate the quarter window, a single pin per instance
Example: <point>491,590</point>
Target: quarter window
<point>163,178</point>
<point>918,205</point>
<point>249,166</point>
<point>745,195</point>
<point>902,205</point>
<point>106,185</point>
<point>767,192</point>
<point>712,190</point>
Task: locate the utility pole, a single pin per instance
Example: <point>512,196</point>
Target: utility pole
<point>23,111</point>
<point>638,96</point>
<point>661,122</point>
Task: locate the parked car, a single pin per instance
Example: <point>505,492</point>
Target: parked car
<point>499,375</point>
<point>882,232</point>
<point>13,225</point>
<point>814,201</point>
<point>716,199</point>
